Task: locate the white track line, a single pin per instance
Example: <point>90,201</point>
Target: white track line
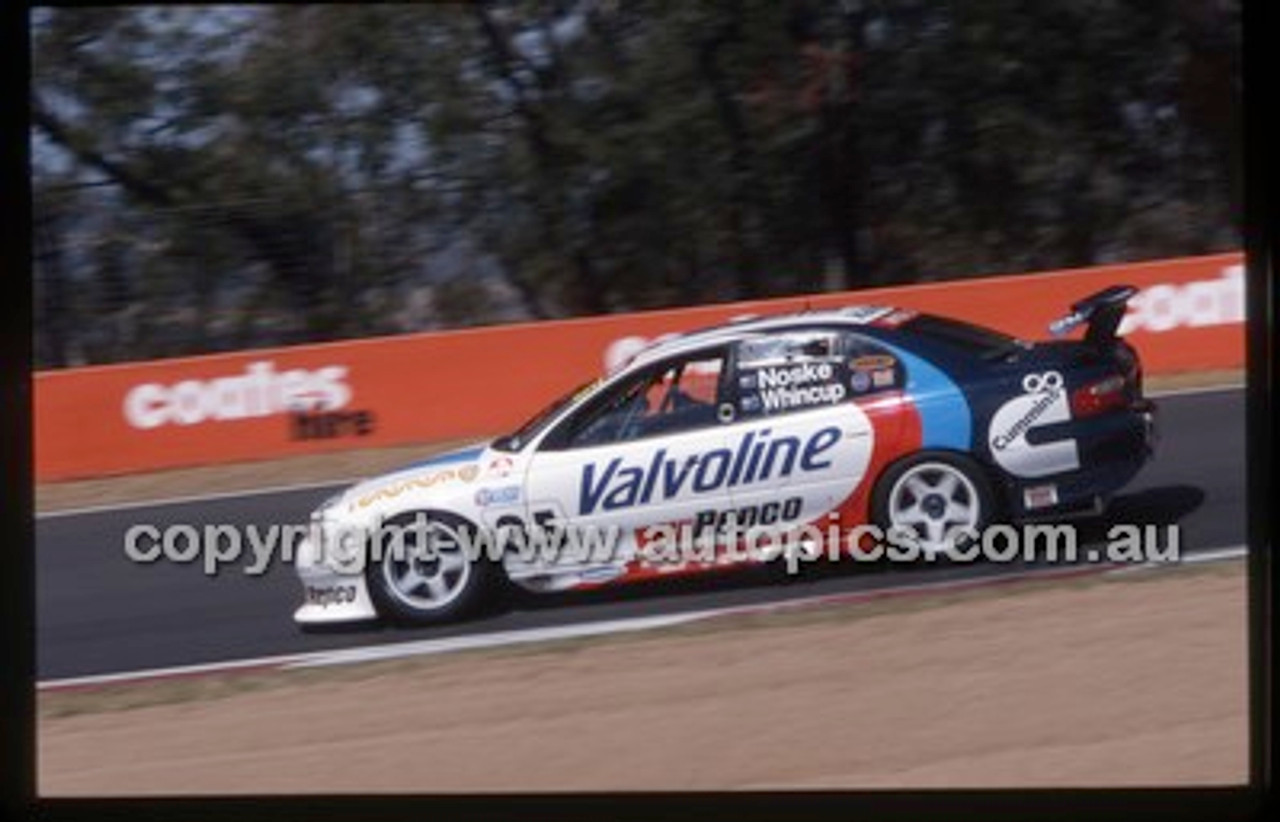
<point>1210,555</point>
<point>308,486</point>
<point>168,673</point>
<point>524,636</point>
<point>1215,555</point>
<point>1191,392</point>
<point>499,639</point>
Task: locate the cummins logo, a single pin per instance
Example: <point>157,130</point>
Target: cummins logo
<point>1165,307</point>
<point>1043,402</point>
<point>259,391</point>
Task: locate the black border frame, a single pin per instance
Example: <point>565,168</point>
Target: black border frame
<point>17,692</point>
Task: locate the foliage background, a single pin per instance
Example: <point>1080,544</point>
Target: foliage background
<point>222,177</point>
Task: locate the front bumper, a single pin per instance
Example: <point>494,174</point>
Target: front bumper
<point>329,596</point>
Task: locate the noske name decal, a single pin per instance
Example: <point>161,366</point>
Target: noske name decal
<point>757,457</point>
<point>798,386</point>
<point>1045,402</point>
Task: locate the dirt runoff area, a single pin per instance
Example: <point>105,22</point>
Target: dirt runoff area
<point>1130,679</point>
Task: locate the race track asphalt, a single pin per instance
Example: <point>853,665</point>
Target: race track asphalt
<point>97,612</point>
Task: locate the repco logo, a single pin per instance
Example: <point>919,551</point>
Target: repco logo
<point>1165,307</point>
<point>259,391</point>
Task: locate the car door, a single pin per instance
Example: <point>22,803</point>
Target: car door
<point>648,451</point>
<point>809,444</point>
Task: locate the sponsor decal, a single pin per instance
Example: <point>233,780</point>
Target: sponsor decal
<point>506,495</point>
<point>323,425</point>
<point>860,381</point>
<point>1044,402</point>
<point>327,595</point>
<point>798,386</point>
<point>757,457</point>
<point>882,379</point>
<point>1166,307</point>
<point>782,399</point>
<point>873,362</point>
<point>466,473</point>
<point>259,391</point>
<point>501,466</point>
<point>803,374</point>
<point>747,516</point>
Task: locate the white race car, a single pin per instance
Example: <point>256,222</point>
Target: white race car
<point>834,418</point>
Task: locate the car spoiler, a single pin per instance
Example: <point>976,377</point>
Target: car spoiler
<point>1102,311</point>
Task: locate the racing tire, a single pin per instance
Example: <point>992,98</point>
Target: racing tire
<point>445,585</point>
<point>944,498</point>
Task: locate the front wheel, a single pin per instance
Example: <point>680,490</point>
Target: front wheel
<point>428,577</point>
<point>938,496</point>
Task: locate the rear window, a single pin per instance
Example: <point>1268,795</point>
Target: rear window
<point>974,339</point>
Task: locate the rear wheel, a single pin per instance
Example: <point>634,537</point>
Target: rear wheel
<point>937,496</point>
<point>429,577</point>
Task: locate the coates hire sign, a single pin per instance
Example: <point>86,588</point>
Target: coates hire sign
<point>434,387</point>
<point>1166,307</point>
<point>259,390</point>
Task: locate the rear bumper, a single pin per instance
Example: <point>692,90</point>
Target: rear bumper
<point>1113,448</point>
<point>1151,428</point>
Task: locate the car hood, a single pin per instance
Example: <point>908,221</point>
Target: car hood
<point>443,470</point>
<point>469,453</point>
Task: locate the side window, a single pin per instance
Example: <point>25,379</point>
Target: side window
<point>872,368</point>
<point>670,398</point>
<point>786,373</point>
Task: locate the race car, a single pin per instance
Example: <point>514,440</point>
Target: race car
<point>916,423</point>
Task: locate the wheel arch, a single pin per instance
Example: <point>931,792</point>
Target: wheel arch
<point>995,478</point>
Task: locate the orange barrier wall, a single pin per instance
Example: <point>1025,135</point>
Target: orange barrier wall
<point>421,387</point>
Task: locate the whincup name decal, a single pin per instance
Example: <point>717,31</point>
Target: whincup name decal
<point>798,386</point>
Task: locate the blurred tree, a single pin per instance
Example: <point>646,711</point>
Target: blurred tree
<point>232,176</point>
<point>52,309</point>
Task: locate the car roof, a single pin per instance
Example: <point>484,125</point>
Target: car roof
<point>853,316</point>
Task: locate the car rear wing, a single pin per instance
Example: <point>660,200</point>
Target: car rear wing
<point>1102,311</point>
